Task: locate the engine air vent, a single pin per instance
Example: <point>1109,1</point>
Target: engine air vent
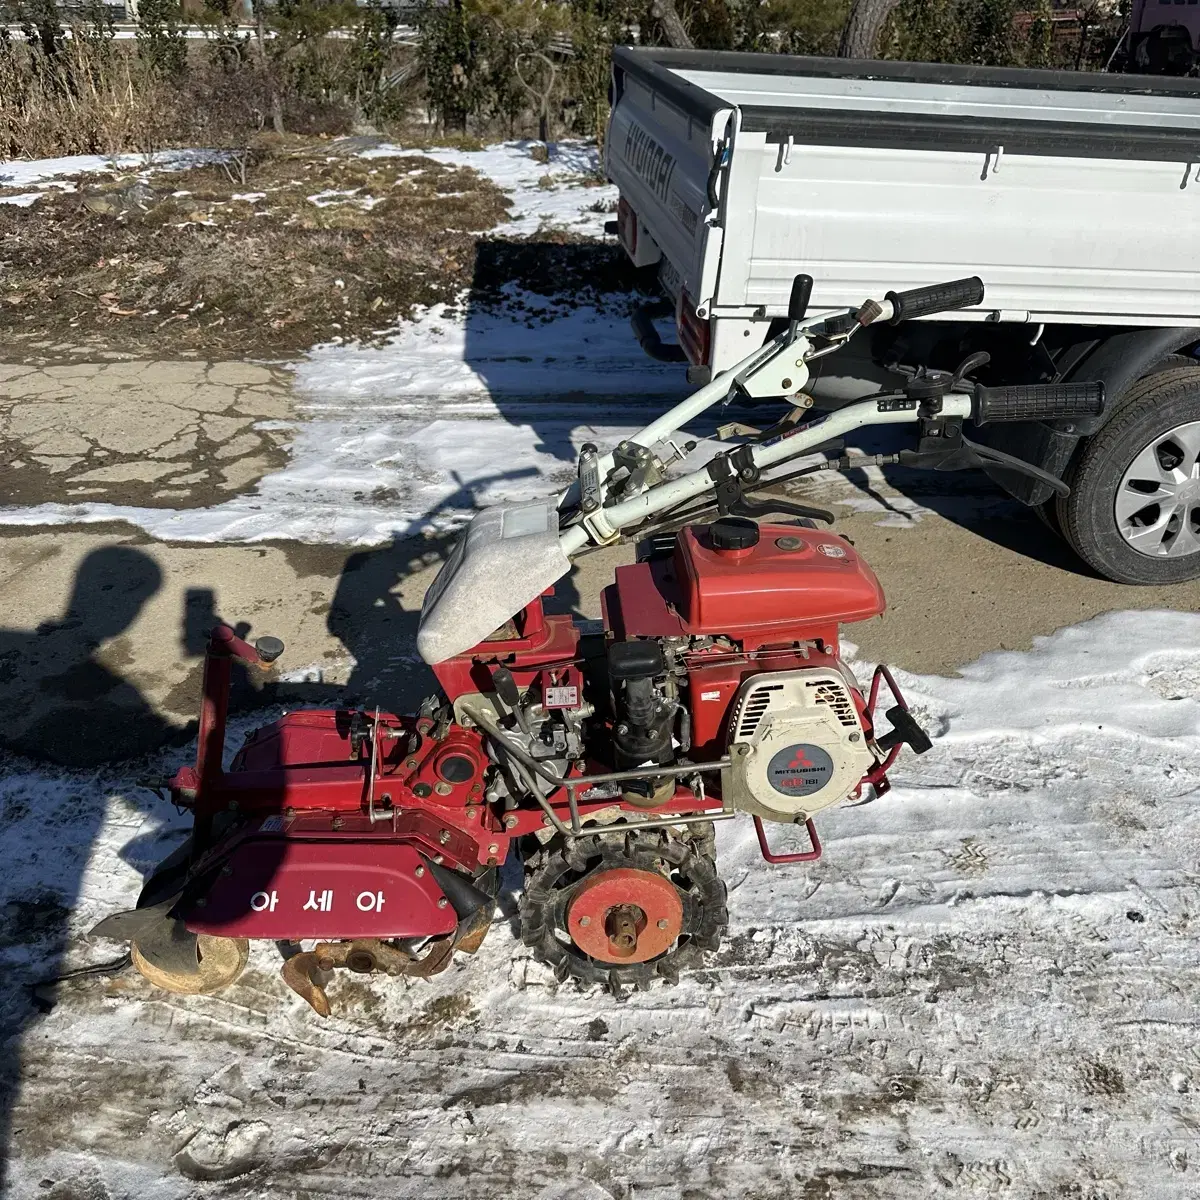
<point>754,709</point>
<point>827,692</point>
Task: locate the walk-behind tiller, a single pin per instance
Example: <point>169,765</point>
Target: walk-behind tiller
<point>602,760</point>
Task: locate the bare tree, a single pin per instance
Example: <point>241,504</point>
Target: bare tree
<point>665,13</point>
<point>266,66</point>
<point>860,34</point>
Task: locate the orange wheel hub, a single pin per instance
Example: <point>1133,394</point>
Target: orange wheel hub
<point>625,915</point>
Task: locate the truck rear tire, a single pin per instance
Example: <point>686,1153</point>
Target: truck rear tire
<point>1133,514</point>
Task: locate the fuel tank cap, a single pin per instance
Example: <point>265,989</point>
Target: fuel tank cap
<point>733,533</point>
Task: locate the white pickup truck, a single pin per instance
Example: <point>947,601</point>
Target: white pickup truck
<point>1074,197</point>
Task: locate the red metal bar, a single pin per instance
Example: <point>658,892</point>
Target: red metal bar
<point>214,710</point>
<point>881,672</point>
<point>223,646</point>
<point>803,856</point>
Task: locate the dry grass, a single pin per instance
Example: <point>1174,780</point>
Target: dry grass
<point>175,263</point>
<point>88,99</point>
<point>98,96</point>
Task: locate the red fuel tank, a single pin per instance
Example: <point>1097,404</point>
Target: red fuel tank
<point>791,575</point>
<point>792,582</point>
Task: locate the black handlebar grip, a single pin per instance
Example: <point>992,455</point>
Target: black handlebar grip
<point>802,287</point>
<point>1037,402</point>
<point>939,297</point>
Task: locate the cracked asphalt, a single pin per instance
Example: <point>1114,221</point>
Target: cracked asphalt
<point>169,434</point>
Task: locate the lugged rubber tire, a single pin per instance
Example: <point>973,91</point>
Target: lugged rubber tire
<point>1155,404</point>
<point>546,897</point>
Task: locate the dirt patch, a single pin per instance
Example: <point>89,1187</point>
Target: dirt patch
<point>298,243</point>
<point>1100,1079</point>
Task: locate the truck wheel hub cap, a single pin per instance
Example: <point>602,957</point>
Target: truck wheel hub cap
<point>1157,505</point>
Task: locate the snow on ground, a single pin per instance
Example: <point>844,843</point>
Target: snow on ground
<point>987,987</point>
<point>459,409</point>
<point>564,192</point>
<point>47,173</point>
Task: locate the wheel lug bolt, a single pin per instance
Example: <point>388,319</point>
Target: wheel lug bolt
<point>663,923</point>
<point>585,920</point>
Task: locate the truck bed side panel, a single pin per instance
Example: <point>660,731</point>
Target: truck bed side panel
<point>1061,239</point>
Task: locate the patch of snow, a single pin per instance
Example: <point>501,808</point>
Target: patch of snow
<point>987,986</point>
<point>331,196</point>
<point>456,411</point>
<point>561,193</point>
<point>25,172</point>
<point>248,197</point>
<point>22,200</point>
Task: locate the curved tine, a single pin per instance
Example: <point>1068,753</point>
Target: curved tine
<point>436,959</point>
<point>304,974</point>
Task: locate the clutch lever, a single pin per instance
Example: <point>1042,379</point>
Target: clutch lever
<point>754,508</point>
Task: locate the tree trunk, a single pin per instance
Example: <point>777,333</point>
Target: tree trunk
<point>260,31</point>
<point>860,35</point>
<point>668,17</point>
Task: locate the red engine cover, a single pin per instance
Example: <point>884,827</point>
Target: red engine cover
<point>795,583</point>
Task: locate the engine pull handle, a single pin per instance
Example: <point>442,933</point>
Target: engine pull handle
<point>904,731</point>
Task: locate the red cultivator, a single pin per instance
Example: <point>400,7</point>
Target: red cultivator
<point>600,759</point>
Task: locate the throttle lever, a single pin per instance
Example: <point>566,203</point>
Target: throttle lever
<point>802,287</point>
<point>969,365</point>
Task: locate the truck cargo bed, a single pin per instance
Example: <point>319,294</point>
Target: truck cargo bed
<point>1076,197</point>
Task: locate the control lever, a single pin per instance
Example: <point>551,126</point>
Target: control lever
<point>904,731</point>
<point>507,690</point>
<point>766,508</point>
<point>734,474</point>
<point>802,287</point>
<point>969,366</point>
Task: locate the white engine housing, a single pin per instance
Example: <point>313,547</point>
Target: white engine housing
<point>797,743</point>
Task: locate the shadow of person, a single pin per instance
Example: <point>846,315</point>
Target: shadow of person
<point>375,611</point>
<point>547,332</point>
<point>61,698</point>
<point>62,701</point>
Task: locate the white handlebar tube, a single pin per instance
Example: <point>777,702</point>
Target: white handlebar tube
<point>713,392</point>
<point>676,491</point>
<point>718,389</point>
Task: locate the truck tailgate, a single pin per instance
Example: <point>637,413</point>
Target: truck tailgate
<point>661,154</point>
